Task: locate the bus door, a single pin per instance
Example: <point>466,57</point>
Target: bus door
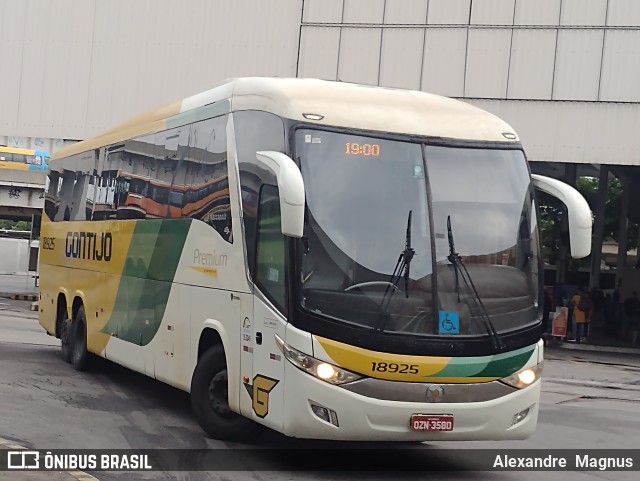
<point>267,383</point>
<point>266,386</point>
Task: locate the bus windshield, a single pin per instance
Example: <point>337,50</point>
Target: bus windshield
<point>378,207</point>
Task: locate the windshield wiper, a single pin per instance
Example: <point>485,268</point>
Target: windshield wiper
<point>453,256</point>
<point>407,256</point>
<point>402,267</point>
<point>459,267</point>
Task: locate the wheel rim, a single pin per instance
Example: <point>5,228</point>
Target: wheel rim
<point>219,394</point>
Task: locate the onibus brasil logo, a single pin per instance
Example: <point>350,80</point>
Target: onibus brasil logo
<point>35,460</point>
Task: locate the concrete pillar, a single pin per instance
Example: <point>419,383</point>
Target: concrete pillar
<point>570,177</point>
<point>571,174</point>
<point>622,231</point>
<point>598,227</point>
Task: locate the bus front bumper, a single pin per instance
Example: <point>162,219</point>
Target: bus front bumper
<point>354,417</point>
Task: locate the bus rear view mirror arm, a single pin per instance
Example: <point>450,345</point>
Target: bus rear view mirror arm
<point>290,188</point>
<point>579,213</point>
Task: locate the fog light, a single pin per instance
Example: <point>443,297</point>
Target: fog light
<point>334,418</point>
<point>326,414</point>
<point>321,412</point>
<point>519,417</point>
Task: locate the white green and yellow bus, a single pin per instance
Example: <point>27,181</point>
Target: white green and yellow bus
<point>362,264</point>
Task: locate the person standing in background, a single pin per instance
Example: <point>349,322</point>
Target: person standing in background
<point>581,312</point>
<point>547,308</point>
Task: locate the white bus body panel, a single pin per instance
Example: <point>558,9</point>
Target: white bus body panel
<point>362,418</point>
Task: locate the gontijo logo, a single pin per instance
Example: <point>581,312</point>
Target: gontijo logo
<point>89,245</point>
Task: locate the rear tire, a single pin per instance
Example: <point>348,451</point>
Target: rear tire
<point>210,400</point>
<point>78,341</point>
<point>65,346</point>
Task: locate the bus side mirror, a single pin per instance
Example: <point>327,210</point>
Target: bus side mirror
<point>290,189</point>
<point>579,213</point>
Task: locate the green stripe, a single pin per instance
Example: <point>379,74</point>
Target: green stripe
<point>201,113</point>
<point>498,365</point>
<point>504,365</point>
<point>464,367</point>
<point>143,241</point>
<point>150,267</point>
<point>168,249</point>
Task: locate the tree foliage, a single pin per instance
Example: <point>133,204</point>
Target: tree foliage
<point>15,225</point>
<point>552,212</point>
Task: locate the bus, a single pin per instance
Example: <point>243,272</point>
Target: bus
<point>371,268</point>
<point>23,159</point>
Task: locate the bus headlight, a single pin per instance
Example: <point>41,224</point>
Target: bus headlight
<point>524,377</point>
<point>320,369</point>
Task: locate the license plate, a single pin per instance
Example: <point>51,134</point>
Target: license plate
<point>426,422</point>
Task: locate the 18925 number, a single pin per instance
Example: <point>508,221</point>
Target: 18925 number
<point>48,243</point>
<point>394,367</point>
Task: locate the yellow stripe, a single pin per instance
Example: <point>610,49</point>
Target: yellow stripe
<point>96,282</point>
<point>381,365</point>
<point>16,150</point>
<point>13,165</point>
<point>60,241</point>
<point>209,271</point>
<point>153,121</point>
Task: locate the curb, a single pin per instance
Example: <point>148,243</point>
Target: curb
<point>24,297</point>
<point>593,348</point>
<point>76,475</point>
<point>596,384</point>
<point>19,296</point>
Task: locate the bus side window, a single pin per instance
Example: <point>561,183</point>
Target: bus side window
<point>51,200</point>
<point>270,249</point>
<point>65,195</point>
<point>207,181</point>
<point>255,131</point>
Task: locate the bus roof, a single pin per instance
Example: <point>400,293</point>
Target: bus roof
<point>338,103</point>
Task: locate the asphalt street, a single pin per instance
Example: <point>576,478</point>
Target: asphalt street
<point>590,400</point>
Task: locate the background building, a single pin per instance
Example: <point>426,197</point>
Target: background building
<point>564,73</point>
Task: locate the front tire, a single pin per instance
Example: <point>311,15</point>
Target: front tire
<point>210,400</point>
<point>78,341</point>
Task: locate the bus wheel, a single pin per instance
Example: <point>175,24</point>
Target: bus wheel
<point>210,400</point>
<point>65,331</point>
<point>78,340</point>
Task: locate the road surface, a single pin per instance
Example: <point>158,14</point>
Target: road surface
<point>590,400</point>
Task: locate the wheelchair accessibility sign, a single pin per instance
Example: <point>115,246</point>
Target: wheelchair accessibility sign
<point>448,322</point>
